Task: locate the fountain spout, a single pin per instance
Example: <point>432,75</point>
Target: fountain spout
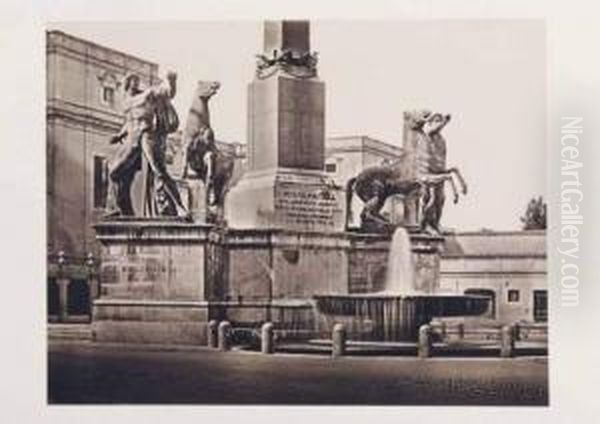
<point>400,278</point>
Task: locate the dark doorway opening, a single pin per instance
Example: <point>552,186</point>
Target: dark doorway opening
<point>53,298</point>
<point>78,297</point>
<point>540,305</point>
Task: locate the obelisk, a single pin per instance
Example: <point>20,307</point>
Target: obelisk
<point>285,185</point>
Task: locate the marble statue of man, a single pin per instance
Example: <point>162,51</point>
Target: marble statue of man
<point>149,118</point>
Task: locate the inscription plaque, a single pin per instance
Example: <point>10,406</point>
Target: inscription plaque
<point>307,206</point>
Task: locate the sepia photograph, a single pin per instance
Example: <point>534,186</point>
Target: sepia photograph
<point>297,212</point>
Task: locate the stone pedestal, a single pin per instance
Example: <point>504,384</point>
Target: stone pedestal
<point>288,199</point>
<point>368,260</point>
<point>426,258</point>
<point>285,185</point>
<point>152,282</point>
<point>163,281</point>
<point>282,265</point>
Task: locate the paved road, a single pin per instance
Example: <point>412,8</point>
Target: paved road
<point>88,373</point>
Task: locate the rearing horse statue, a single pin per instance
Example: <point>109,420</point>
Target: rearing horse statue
<point>420,174</point>
<point>201,154</point>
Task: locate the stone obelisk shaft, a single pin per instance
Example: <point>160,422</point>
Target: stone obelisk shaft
<point>284,186</point>
<point>286,114</point>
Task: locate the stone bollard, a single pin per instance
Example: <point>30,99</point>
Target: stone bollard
<point>460,328</point>
<point>267,344</point>
<point>517,331</point>
<point>224,336</point>
<point>424,347</point>
<point>507,342</point>
<point>213,336</point>
<point>338,339</point>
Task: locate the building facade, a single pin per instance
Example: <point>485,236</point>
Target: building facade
<point>507,267</point>
<point>83,111</point>
<point>83,107</point>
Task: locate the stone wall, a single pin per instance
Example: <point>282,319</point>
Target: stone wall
<point>161,281</point>
<point>152,260</point>
<point>281,264</point>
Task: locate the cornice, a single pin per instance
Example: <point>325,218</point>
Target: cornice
<point>104,122</point>
<point>57,40</point>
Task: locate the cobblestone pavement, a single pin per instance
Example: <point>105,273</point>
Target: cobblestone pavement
<point>90,373</point>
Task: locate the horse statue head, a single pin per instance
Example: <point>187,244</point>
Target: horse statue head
<point>435,123</point>
<point>416,119</point>
<point>206,89</point>
<point>201,153</point>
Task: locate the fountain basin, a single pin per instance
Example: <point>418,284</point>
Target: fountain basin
<point>391,317</point>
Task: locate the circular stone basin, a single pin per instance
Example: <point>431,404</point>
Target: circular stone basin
<point>391,317</point>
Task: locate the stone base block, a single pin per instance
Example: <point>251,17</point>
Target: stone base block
<point>286,198</point>
<point>156,260</point>
<point>150,322</point>
<point>282,265</point>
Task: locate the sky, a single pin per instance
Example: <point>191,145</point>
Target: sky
<point>490,75</point>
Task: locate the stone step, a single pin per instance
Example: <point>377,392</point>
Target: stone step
<point>69,332</point>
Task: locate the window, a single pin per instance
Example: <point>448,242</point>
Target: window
<point>330,167</point>
<point>108,95</point>
<point>100,181</point>
<point>540,305</point>
<point>108,87</point>
<point>513,296</point>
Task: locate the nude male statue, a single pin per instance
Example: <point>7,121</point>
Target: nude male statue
<point>435,147</point>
